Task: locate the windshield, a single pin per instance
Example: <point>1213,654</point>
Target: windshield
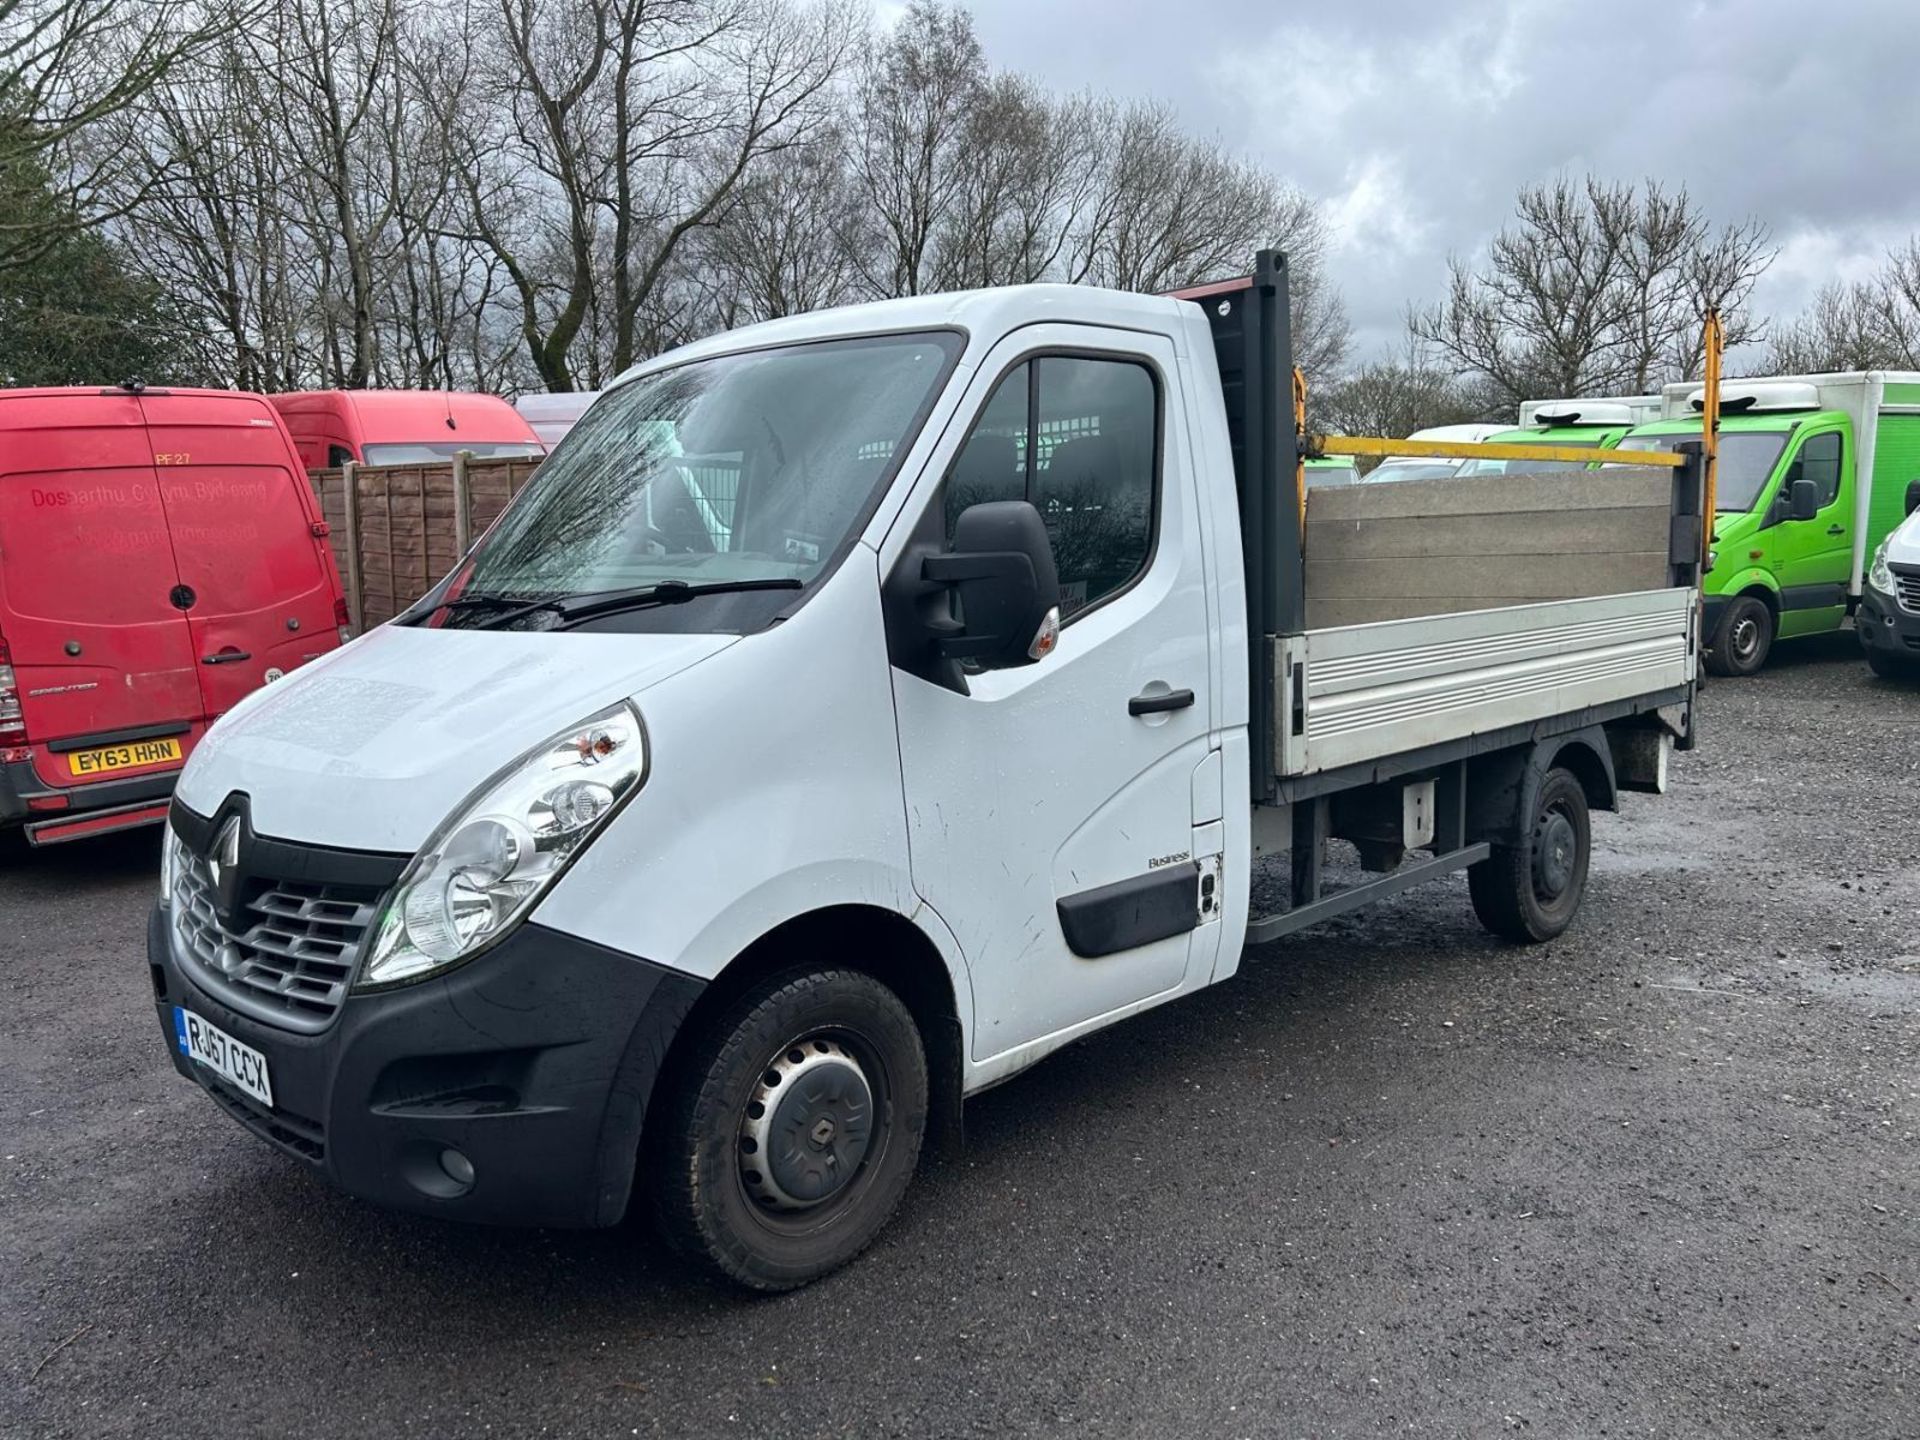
<point>426,453</point>
<point>1410,470</point>
<point>1746,460</point>
<point>1528,467</point>
<point>1322,476</point>
<point>753,466</point>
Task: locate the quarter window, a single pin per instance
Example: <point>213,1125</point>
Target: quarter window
<point>1077,438</point>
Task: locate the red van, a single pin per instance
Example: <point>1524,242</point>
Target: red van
<point>402,427</point>
<point>161,556</point>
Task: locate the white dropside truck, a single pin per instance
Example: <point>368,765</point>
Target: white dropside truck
<point>854,709</point>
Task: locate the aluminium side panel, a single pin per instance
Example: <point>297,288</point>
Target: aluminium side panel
<point>1355,693</point>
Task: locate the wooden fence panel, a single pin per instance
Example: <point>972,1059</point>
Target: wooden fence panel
<point>407,530</point>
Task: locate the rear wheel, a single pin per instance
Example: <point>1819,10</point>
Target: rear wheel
<point>1742,638</point>
<point>1530,892</point>
<point>794,1129</point>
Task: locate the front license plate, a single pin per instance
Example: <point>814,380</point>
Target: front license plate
<point>239,1065</point>
<point>124,757</point>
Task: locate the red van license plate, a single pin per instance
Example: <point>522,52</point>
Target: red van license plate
<point>124,757</point>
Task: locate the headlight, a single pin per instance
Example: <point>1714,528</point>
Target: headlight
<point>1713,559</point>
<point>169,860</point>
<point>1879,575</point>
<point>484,868</point>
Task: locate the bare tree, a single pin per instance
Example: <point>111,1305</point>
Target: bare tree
<point>1597,287</point>
<point>918,89</point>
<point>686,137</point>
<point>1871,324</point>
<point>334,100</point>
<point>1029,168</point>
<point>65,66</point>
<point>783,245</point>
<point>1394,398</point>
<point>1174,210</point>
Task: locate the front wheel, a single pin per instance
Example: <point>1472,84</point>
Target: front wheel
<point>1891,667</point>
<point>1742,639</point>
<point>1530,892</point>
<point>793,1130</point>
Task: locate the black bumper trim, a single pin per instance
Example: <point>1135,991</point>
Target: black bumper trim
<point>19,783</point>
<point>1884,625</point>
<point>536,1062</point>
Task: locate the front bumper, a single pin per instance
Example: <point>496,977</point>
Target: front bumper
<point>1883,625</point>
<point>535,1062</point>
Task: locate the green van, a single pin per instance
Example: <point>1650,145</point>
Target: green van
<point>1813,475</point>
<point>1595,424</point>
<point>1331,470</point>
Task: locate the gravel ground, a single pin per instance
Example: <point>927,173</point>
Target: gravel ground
<point>1659,1178</point>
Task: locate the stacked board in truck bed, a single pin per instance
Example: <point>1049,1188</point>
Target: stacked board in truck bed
<point>1401,550</point>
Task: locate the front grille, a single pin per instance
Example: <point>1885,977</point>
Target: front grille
<point>1907,582</point>
<point>292,960</point>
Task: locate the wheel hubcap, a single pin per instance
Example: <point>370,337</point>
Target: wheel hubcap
<point>1555,847</point>
<point>1746,638</point>
<point>807,1127</point>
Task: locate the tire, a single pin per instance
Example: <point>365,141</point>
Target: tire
<point>1890,667</point>
<point>832,1063</point>
<point>1530,892</point>
<point>1742,639</point>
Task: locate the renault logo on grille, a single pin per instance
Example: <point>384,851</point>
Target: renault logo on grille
<point>223,865</point>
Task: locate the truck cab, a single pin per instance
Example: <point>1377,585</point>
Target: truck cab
<point>1573,424</point>
<point>403,427</point>
<point>854,710</point>
<point>1783,535</point>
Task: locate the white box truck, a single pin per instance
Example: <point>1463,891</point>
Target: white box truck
<point>712,861</point>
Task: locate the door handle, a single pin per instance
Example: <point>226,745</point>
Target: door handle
<point>1836,529</point>
<point>1158,704</point>
<point>225,657</point>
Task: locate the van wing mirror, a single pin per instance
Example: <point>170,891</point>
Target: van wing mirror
<point>1803,500</point>
<point>1913,496</point>
<point>1001,572</point>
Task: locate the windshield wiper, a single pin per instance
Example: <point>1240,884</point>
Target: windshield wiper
<point>664,592</point>
<point>471,600</point>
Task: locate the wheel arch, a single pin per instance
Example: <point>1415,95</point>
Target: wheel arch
<point>1502,786</point>
<point>873,940</point>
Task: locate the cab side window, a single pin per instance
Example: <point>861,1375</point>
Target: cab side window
<point>1820,463</point>
<point>1077,437</point>
<point>338,455</point>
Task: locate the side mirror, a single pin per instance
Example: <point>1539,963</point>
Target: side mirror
<point>1913,496</point>
<point>1803,500</point>
<point>1002,575</point>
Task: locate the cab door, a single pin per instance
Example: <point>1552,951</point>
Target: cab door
<point>1814,558</point>
<point>1051,808</point>
<point>87,583</point>
<point>259,580</point>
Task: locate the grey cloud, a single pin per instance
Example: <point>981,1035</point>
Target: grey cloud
<point>1416,122</point>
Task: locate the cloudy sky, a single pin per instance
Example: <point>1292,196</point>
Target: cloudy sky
<point>1416,120</point>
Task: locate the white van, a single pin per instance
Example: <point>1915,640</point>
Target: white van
<point>1429,467</point>
<point>855,709</point>
<point>1888,620</point>
<point>553,415</point>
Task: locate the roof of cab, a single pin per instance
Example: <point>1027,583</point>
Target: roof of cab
<point>397,414</point>
<point>26,416</point>
<point>988,312</point>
